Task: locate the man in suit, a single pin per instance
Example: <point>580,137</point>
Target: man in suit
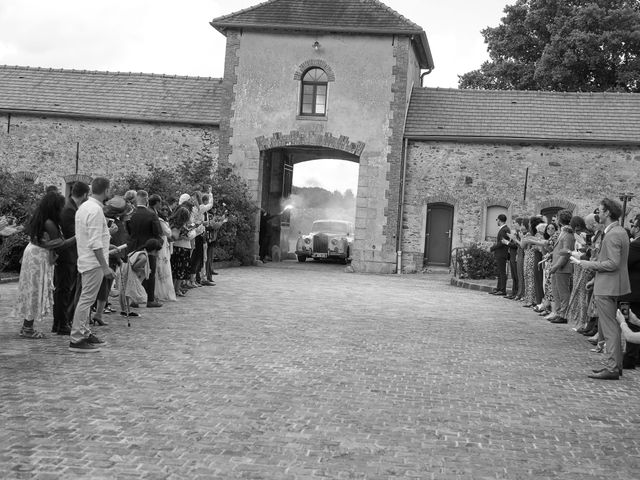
<point>500,250</point>
<point>145,225</point>
<point>561,268</point>
<point>513,261</point>
<point>611,281</point>
<point>631,357</point>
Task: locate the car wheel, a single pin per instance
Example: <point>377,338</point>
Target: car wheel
<point>302,258</point>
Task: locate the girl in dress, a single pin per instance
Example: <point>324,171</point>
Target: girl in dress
<point>35,289</point>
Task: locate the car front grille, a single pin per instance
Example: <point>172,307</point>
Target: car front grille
<point>320,243</point>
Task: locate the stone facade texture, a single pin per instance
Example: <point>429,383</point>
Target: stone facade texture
<point>264,106</point>
<point>475,176</point>
<point>48,146</point>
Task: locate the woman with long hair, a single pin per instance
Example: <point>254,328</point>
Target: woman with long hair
<point>577,310</point>
<point>35,290</point>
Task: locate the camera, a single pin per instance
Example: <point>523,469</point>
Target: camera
<point>624,309</point>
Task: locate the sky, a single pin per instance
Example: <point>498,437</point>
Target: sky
<point>174,37</point>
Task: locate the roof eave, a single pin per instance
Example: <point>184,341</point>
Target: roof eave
<point>521,140</point>
<point>50,113</point>
<point>223,27</point>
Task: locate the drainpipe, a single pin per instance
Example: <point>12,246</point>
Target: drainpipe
<point>401,208</point>
<point>424,74</point>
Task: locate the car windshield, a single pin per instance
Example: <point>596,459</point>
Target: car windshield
<point>331,227</point>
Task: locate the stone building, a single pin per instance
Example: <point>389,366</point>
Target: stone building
<point>336,79</point>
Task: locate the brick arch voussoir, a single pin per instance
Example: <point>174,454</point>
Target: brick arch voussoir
<point>78,177</point>
<point>306,65</point>
<point>442,198</point>
<point>498,202</point>
<point>556,202</point>
<point>29,176</point>
<point>298,138</point>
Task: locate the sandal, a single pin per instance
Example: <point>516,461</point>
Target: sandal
<point>31,333</point>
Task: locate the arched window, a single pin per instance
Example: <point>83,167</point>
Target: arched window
<point>314,92</point>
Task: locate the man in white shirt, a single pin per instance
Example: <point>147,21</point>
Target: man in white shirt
<point>92,239</point>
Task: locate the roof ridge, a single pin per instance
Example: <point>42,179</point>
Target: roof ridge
<point>84,71</point>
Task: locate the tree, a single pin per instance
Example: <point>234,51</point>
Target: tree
<point>562,45</point>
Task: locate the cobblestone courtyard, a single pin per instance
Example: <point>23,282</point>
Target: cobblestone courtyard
<point>303,371</point>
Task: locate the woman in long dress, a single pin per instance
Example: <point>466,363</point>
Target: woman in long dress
<point>577,309</point>
<point>529,244</point>
<point>35,288</point>
<point>164,277</point>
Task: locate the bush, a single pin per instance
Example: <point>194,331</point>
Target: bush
<point>11,251</point>
<point>475,262</point>
<point>18,196</point>
<point>235,238</point>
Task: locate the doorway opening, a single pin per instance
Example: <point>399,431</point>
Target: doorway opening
<point>299,186</point>
<point>439,234</point>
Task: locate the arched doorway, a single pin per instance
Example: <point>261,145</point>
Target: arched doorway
<point>277,234</point>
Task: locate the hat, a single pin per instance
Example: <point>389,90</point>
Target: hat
<point>117,206</point>
<point>185,197</point>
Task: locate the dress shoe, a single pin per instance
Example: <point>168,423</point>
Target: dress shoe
<point>208,283</point>
<point>134,305</point>
<point>602,369</point>
<point>509,297</point>
<point>500,293</point>
<point>153,304</point>
<point>590,333</point>
<point>606,375</point>
<point>558,320</point>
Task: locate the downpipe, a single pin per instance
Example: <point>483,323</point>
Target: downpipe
<point>401,209</point>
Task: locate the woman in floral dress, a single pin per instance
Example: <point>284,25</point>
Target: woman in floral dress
<point>577,309</point>
<point>35,288</point>
<point>529,247</point>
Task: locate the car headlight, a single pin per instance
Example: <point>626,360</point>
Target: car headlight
<point>334,242</point>
<point>307,241</point>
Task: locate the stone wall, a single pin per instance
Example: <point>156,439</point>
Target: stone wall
<point>474,176</point>
<point>47,146</point>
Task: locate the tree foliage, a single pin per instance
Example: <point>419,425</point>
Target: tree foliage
<point>562,45</point>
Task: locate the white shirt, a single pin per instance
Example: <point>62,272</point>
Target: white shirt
<point>92,233</point>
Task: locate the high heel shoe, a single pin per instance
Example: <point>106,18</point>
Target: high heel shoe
<point>99,322</point>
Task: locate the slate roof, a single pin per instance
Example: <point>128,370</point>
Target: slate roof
<point>349,16</point>
<point>109,95</point>
<point>599,118</point>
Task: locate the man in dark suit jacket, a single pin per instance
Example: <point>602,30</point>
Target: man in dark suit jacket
<point>561,268</point>
<point>631,357</point>
<point>500,250</point>
<point>145,225</point>
<point>65,275</point>
<point>611,281</point>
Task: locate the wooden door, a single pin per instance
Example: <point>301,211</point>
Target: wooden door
<point>439,234</point>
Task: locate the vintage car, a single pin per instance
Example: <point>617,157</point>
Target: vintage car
<point>328,239</point>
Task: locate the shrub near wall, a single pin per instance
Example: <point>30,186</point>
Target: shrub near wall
<point>235,238</point>
<point>475,262</point>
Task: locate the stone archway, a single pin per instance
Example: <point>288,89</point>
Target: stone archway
<point>278,155</point>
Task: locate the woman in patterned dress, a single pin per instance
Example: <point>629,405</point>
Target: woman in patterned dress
<point>551,234</point>
<point>35,288</point>
<point>181,256</point>
<point>577,309</point>
<point>528,245</point>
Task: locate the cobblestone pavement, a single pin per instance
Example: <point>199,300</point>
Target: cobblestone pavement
<point>303,371</point>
